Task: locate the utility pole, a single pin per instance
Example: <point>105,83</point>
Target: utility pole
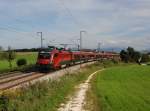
<point>112,50</point>
<point>78,47</point>
<point>81,44</point>
<point>41,35</point>
<point>76,44</point>
<point>99,47</point>
<point>81,39</point>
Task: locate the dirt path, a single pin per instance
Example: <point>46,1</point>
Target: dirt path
<point>77,102</point>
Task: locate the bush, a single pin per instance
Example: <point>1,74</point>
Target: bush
<point>21,62</point>
<point>115,61</point>
<point>2,55</point>
<point>130,55</point>
<point>4,103</point>
<point>145,58</point>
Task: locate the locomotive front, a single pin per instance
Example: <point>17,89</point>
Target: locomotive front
<point>44,61</point>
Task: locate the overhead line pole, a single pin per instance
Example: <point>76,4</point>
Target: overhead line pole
<point>81,39</point>
<point>41,35</point>
<point>99,47</point>
<point>81,44</point>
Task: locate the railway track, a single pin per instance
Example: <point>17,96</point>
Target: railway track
<point>14,77</point>
<point>17,79</point>
<point>13,80</point>
<point>6,75</point>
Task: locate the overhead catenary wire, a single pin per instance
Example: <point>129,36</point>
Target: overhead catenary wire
<point>16,31</point>
<point>13,29</point>
<point>76,22</point>
<point>19,21</point>
<point>62,3</point>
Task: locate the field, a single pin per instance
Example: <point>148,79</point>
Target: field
<point>30,57</point>
<point>123,88</point>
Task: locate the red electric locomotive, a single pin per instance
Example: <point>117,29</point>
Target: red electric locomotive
<point>54,58</point>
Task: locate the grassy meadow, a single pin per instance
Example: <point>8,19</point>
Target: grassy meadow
<point>29,56</point>
<point>123,88</point>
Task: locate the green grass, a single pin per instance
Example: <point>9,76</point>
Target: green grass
<point>30,57</point>
<point>123,88</point>
<point>45,96</point>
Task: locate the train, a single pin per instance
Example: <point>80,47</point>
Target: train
<point>57,58</point>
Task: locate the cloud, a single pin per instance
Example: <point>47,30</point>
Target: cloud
<point>114,23</point>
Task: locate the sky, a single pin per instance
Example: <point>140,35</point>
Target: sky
<point>113,23</point>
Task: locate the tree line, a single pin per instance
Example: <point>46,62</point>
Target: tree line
<point>24,49</point>
<point>131,55</point>
<point>128,55</point>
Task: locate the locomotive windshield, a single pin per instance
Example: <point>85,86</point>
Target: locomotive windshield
<point>43,55</point>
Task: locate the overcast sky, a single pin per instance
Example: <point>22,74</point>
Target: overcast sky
<point>114,23</point>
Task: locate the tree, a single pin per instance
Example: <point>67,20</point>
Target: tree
<point>124,56</point>
<point>136,56</point>
<point>130,51</point>
<point>1,52</point>
<point>130,55</point>
<point>1,48</point>
<point>145,58</point>
<point>9,56</point>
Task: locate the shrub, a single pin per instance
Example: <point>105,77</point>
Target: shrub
<point>21,62</point>
<point>145,58</point>
<point>115,61</point>
<point>130,55</point>
<point>4,103</point>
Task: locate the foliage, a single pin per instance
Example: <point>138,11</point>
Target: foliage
<point>136,56</point>
<point>21,62</point>
<point>108,63</point>
<point>1,55</point>
<point>124,56</point>
<point>28,50</point>
<point>1,48</point>
<point>3,103</point>
<point>145,58</point>
<point>123,88</point>
<point>9,56</point>
<point>130,55</point>
<point>30,57</point>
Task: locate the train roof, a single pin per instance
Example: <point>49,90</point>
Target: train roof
<point>52,49</point>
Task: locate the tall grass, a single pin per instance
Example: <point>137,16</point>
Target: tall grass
<point>45,96</point>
